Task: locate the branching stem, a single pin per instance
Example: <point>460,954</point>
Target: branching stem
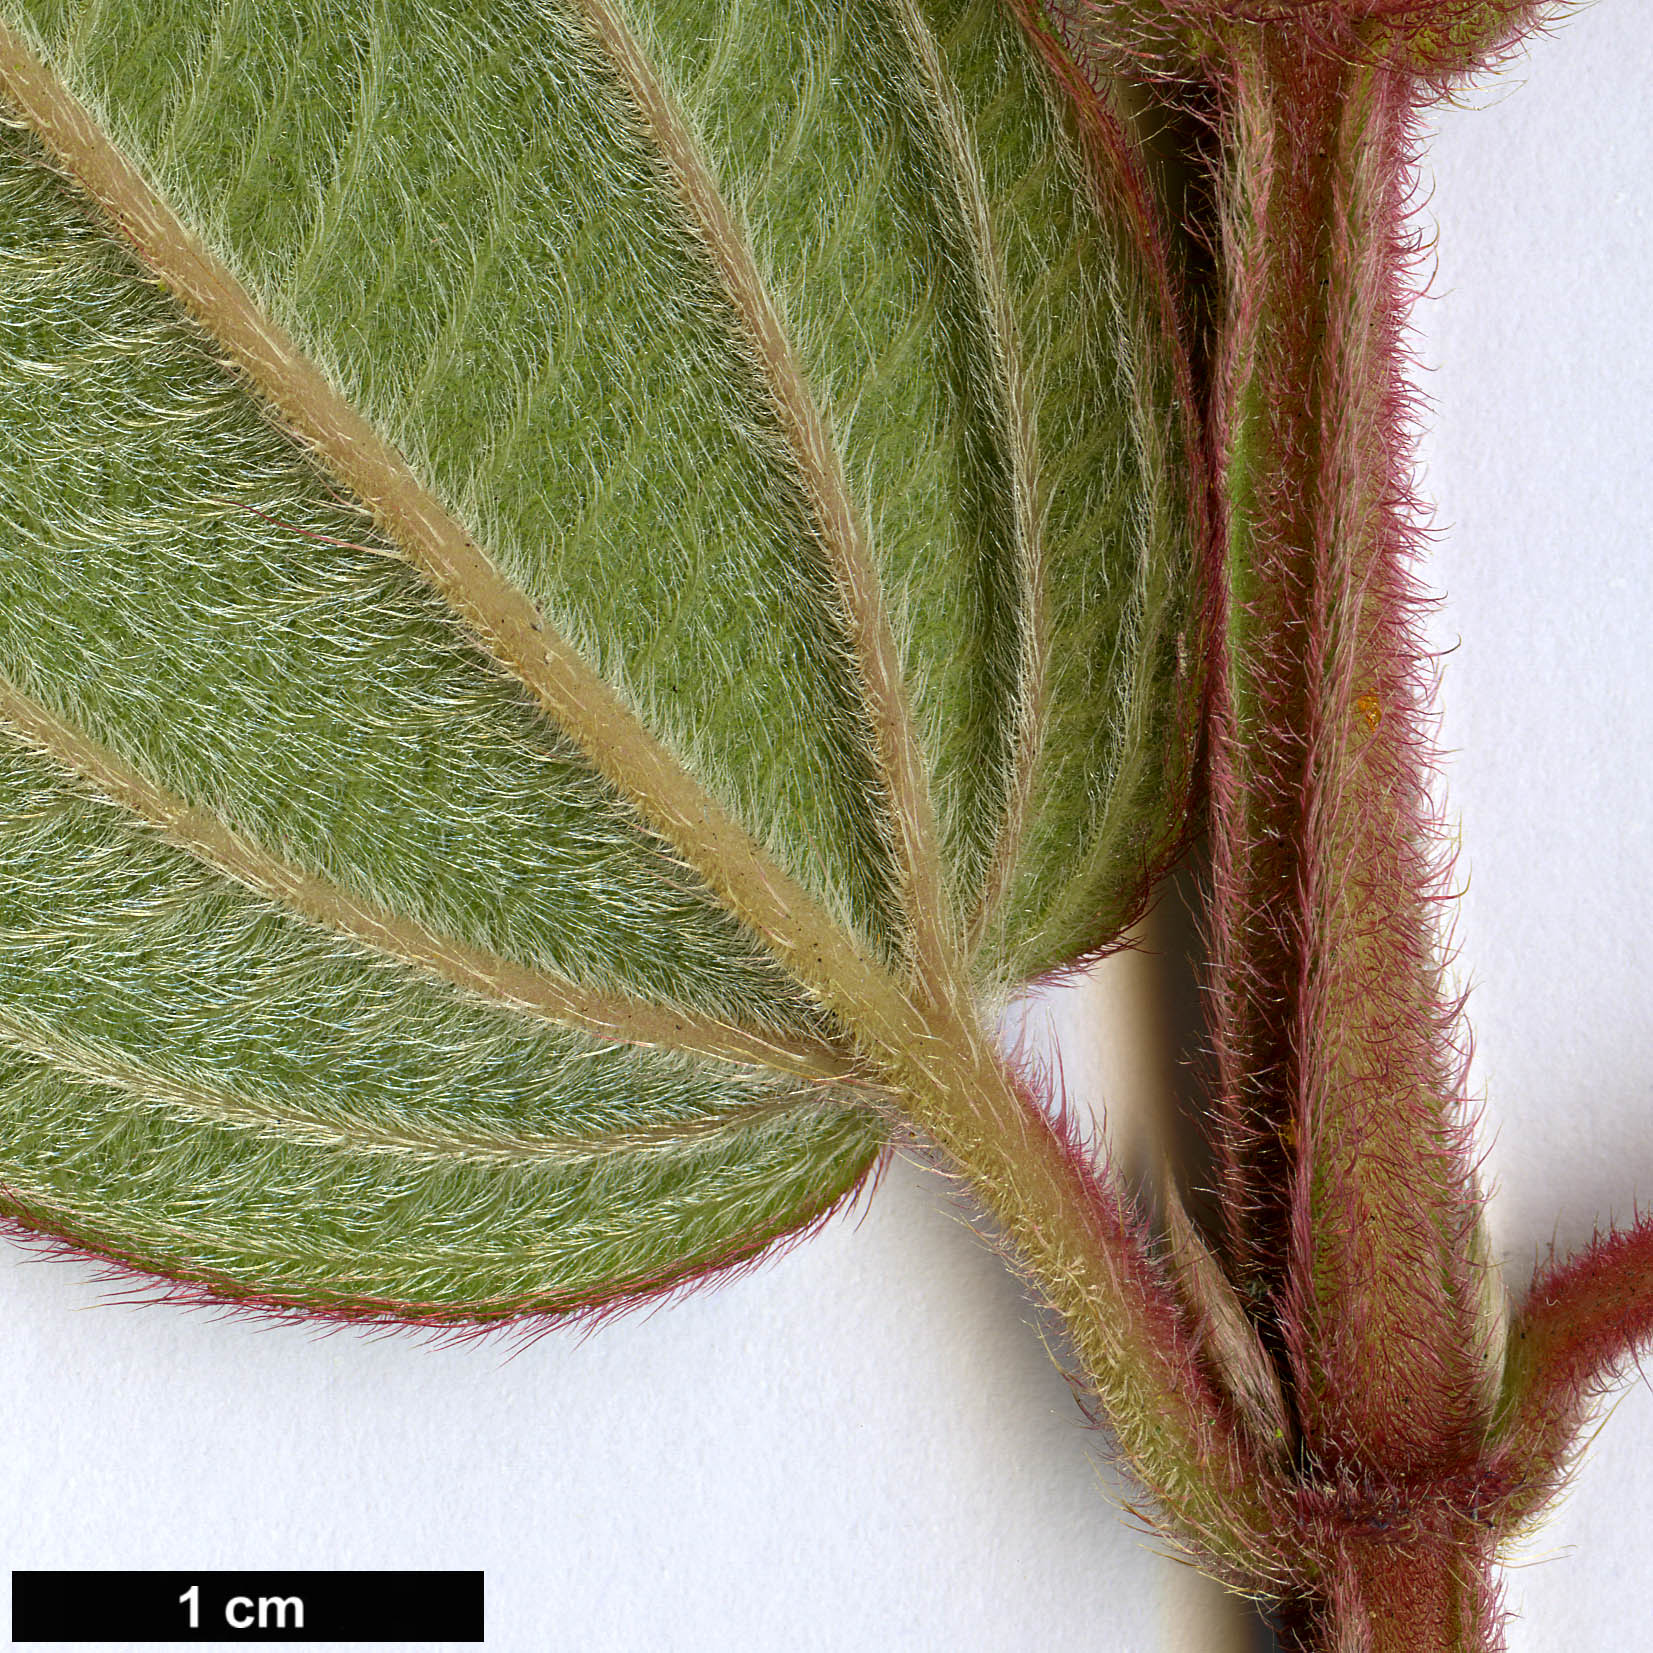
<point>1318,1410</point>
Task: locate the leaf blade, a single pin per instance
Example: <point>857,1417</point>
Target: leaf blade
<point>724,715</point>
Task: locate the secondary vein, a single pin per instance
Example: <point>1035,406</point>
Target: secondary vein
<point>1006,394</point>
<point>85,1062</point>
<point>538,993</point>
<point>837,518</point>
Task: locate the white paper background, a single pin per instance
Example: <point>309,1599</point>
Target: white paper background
<point>863,1444</point>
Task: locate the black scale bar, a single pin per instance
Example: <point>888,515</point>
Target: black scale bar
<point>246,1607</point>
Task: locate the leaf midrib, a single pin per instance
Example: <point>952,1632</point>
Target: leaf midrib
<point>875,1006</point>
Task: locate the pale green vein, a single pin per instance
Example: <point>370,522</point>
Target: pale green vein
<point>500,981</point>
<point>837,516</point>
<point>195,1098</point>
<point>1002,374</point>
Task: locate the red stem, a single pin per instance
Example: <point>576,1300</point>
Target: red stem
<point>1347,1176</point>
<point>1431,1593</point>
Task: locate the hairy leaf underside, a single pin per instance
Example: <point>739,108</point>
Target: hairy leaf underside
<point>440,927</point>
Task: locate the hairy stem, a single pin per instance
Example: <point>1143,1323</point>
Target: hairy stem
<point>1347,1182</point>
<point>1429,1594</point>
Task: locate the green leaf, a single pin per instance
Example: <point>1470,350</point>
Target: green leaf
<point>561,570</point>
